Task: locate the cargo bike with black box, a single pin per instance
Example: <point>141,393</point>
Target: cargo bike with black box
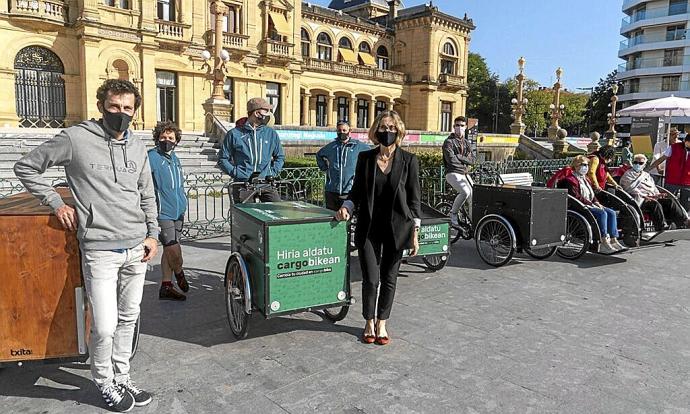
<point>44,312</point>
<point>287,257</point>
<point>513,218</point>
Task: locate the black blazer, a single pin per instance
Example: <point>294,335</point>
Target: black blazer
<point>406,202</point>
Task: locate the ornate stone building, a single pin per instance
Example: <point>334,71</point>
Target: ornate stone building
<point>317,65</point>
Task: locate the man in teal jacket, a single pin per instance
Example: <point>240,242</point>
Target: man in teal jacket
<point>168,181</point>
<point>253,150</point>
<point>338,159</point>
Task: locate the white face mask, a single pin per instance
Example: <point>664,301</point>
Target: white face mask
<point>583,169</point>
<point>459,131</point>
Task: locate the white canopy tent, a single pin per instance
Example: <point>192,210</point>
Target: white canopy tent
<point>665,108</point>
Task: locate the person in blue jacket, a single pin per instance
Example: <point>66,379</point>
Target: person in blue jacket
<point>338,159</point>
<point>253,150</point>
<point>168,181</point>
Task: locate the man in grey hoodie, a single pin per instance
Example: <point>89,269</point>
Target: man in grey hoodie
<point>115,216</point>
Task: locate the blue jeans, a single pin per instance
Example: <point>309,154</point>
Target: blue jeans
<point>606,218</point>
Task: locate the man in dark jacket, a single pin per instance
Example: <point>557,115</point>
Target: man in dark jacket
<point>338,159</point>
<point>253,150</point>
<point>457,158</point>
<point>168,181</point>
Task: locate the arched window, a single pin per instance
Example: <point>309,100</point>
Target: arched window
<point>324,47</point>
<point>449,59</point>
<point>40,88</point>
<point>364,47</point>
<point>382,60</point>
<point>345,43</point>
<point>449,49</point>
<point>306,43</point>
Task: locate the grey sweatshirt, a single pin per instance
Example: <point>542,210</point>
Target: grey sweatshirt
<point>110,180</point>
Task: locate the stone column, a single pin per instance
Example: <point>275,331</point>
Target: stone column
<point>390,104</point>
<point>148,111</point>
<point>329,111</point>
<point>8,110</point>
<point>305,109</point>
<point>372,111</point>
<point>91,80</point>
<point>312,111</point>
<point>353,112</point>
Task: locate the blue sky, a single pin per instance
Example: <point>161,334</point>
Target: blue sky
<point>581,36</point>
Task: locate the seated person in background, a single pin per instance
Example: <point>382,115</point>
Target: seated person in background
<point>597,174</point>
<point>579,187</point>
<point>640,185</point>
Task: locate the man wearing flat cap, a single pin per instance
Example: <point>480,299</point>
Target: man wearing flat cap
<point>253,150</point>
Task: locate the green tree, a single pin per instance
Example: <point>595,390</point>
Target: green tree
<point>487,98</point>
<point>597,107</point>
<point>575,110</point>
<point>539,99</point>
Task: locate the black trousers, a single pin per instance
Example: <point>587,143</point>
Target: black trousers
<point>662,210</point>
<point>268,194</point>
<point>683,194</point>
<point>334,200</point>
<point>380,263</point>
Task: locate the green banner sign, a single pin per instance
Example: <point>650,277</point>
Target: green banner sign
<point>307,265</point>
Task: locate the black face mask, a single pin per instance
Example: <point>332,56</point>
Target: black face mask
<point>117,121</point>
<point>386,138</point>
<point>263,119</point>
<point>343,136</point>
<point>166,146</point>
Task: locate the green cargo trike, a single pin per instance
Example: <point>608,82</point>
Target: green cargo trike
<point>287,257</point>
<point>434,238</point>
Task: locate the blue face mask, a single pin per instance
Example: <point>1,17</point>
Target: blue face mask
<point>637,167</point>
<point>583,169</point>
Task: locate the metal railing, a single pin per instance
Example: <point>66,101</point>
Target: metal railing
<point>659,62</point>
<point>208,194</point>
<point>653,13</point>
<point>654,85</point>
<point>652,38</point>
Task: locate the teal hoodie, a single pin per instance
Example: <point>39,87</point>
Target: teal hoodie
<point>339,160</point>
<point>246,151</point>
<point>110,180</point>
<point>169,183</point>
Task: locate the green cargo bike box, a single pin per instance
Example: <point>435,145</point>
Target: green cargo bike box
<point>296,256</point>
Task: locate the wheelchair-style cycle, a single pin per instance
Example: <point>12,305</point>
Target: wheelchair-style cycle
<point>635,227</point>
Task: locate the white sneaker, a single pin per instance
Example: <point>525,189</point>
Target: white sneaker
<point>454,220</point>
<point>605,247</point>
<point>617,245</point>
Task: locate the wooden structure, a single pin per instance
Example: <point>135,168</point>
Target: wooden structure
<point>42,307</point>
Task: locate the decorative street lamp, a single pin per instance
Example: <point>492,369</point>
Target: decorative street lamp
<point>217,106</point>
<point>612,116</point>
<point>557,109</point>
<point>519,104</point>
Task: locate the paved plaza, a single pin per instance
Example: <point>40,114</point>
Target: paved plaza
<point>600,335</point>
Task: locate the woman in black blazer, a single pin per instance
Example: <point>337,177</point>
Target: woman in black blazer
<point>386,195</point>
